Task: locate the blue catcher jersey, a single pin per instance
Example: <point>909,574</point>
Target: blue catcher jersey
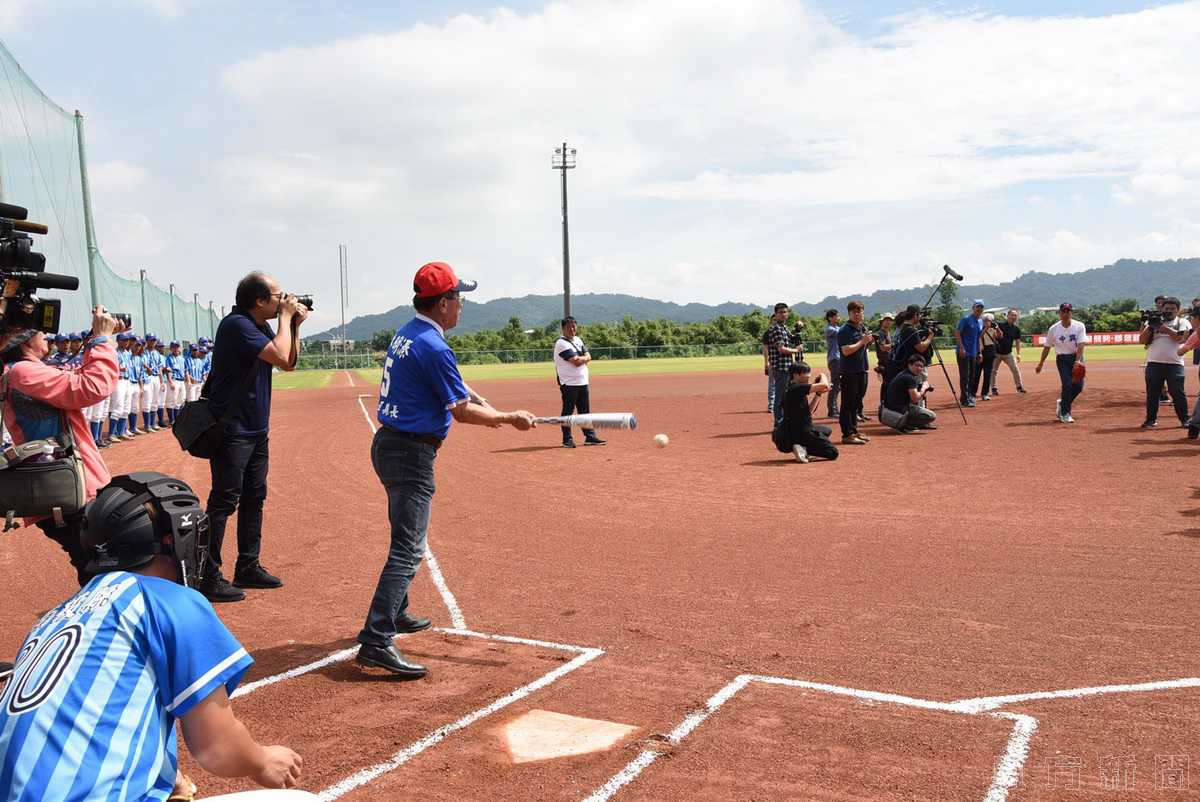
<point>89,712</point>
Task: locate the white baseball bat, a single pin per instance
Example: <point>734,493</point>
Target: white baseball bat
<point>597,420</point>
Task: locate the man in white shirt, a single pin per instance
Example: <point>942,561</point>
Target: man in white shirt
<point>1164,364</point>
<point>1067,337</point>
<point>571,359</point>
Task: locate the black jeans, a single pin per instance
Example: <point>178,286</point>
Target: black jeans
<point>835,387</point>
<point>239,482</point>
<point>575,399</point>
<point>854,389</point>
<point>968,376</point>
<point>1156,374</point>
<point>987,368</point>
<point>405,467</point>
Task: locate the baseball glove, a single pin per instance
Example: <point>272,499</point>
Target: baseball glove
<point>1078,371</point>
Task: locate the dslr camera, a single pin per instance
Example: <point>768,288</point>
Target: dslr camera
<point>23,273</point>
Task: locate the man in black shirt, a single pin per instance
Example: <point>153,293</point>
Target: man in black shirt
<point>854,341</point>
<point>796,432</point>
<point>902,408</point>
<point>1010,337</point>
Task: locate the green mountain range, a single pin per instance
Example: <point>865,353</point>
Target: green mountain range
<point>1127,278</point>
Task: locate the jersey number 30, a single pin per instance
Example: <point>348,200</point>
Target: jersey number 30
<point>39,668</point>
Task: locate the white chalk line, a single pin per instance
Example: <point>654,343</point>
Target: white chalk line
<point>435,571</point>
<point>984,703</point>
<point>586,655</point>
<point>1008,767</point>
<point>337,657</point>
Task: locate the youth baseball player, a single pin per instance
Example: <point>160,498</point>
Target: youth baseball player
<point>176,390</point>
<point>118,402</point>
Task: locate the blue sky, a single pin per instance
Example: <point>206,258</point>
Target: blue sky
<point>753,151</point>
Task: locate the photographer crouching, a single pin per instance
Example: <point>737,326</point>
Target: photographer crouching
<point>40,401</point>
<point>902,407</point>
<point>1162,334</point>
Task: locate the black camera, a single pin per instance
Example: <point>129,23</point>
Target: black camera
<point>927,322</point>
<point>22,274</point>
<point>1152,318</point>
<point>306,300</point>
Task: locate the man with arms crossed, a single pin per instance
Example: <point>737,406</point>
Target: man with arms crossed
<point>90,710</point>
<point>1164,364</point>
<point>1067,337</point>
<point>571,360</point>
<point>421,391</point>
<point>1010,338</point>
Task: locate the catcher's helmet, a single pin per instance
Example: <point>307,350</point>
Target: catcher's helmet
<point>141,515</point>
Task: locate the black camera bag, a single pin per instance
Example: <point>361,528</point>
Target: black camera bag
<point>51,489</point>
<point>199,431</point>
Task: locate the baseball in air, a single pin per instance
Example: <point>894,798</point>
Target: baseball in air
<point>661,440</point>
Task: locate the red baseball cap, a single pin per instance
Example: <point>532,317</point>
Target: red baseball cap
<point>436,278</point>
<point>1065,307</point>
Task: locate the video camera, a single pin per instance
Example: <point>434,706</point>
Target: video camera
<point>927,322</point>
<point>22,274</point>
<point>1152,318</point>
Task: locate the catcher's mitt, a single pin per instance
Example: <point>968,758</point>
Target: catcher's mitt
<point>1078,371</point>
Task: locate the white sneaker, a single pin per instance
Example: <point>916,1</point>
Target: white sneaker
<point>1067,418</point>
<point>800,454</point>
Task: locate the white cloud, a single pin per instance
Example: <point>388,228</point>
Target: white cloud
<point>131,237</point>
<point>726,151</point>
<point>116,177</point>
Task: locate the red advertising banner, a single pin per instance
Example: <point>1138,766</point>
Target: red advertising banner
<point>1101,338</point>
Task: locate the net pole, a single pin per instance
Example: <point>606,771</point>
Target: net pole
<point>88,229</point>
<point>174,334</point>
<point>145,322</point>
<point>196,315</point>
<point>211,331</point>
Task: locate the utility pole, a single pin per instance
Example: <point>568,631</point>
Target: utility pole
<point>344,284</point>
<point>563,160</point>
<point>174,334</point>
<point>145,323</point>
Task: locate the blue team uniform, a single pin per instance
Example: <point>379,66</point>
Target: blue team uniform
<point>175,366</point>
<point>124,363</point>
<point>421,382</point>
<point>90,710</point>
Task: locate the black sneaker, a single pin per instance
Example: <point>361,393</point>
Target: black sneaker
<point>1020,389</point>
<point>217,589</point>
<point>593,441</point>
<point>256,577</point>
<point>568,443</point>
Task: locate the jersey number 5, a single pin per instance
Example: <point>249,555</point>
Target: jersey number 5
<point>386,385</point>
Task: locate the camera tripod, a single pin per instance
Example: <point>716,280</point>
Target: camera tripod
<point>946,273</point>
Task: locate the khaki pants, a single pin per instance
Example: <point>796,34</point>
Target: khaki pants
<point>1009,359</point>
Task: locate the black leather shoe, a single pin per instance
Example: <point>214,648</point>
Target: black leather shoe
<point>256,577</point>
<point>1193,432</point>
<point>594,441</point>
<point>406,623</point>
<point>217,589</point>
<point>389,659</point>
<point>568,443</point>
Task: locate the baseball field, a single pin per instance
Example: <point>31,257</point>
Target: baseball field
<point>1001,610</point>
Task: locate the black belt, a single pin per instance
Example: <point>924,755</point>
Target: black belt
<point>427,439</point>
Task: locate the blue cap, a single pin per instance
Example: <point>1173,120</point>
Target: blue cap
<point>150,336</point>
<point>140,341</point>
<point>61,338</point>
<point>977,302</point>
<point>75,335</point>
<point>174,343</point>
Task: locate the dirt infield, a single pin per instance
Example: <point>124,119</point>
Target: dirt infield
<point>879,627</point>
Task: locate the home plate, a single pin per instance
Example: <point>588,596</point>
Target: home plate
<point>542,735</point>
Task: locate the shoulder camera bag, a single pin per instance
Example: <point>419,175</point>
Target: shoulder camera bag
<point>199,431</point>
<point>52,487</point>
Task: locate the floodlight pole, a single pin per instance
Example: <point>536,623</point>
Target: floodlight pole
<point>563,160</point>
<point>344,289</point>
<point>174,334</point>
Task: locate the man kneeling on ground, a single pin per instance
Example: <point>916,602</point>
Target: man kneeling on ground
<point>902,408</point>
<point>796,432</point>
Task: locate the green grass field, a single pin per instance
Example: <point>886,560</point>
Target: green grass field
<point>307,379</point>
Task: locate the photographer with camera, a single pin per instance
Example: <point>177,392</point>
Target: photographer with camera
<point>903,408</point>
<point>1162,333</point>
<point>245,351</point>
<point>854,342</point>
<point>883,352</point>
<point>40,401</point>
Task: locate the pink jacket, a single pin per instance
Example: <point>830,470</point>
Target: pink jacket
<point>70,391</point>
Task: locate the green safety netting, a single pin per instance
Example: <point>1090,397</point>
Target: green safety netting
<point>43,168</point>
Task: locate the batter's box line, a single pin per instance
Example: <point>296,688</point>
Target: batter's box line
<point>583,656</point>
<point>1005,776</point>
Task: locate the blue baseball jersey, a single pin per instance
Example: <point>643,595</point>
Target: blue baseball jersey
<point>57,359</point>
<point>421,382</point>
<point>195,368</point>
<point>136,368</point>
<point>89,712</point>
<point>124,363</point>
<point>154,363</point>
<point>175,366</point>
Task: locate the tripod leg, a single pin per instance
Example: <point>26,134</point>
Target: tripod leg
<point>950,384</point>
